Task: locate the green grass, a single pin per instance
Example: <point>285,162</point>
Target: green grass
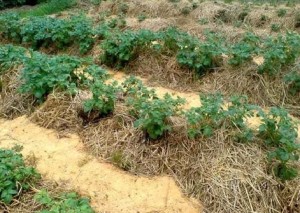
<point>48,8</point>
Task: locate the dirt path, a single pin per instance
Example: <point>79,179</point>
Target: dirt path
<point>110,189</point>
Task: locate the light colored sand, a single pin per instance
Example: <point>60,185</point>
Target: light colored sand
<point>110,189</point>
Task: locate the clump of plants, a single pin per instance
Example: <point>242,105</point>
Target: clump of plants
<point>281,12</point>
<point>41,74</point>
<point>214,114</point>
<point>201,56</point>
<point>245,49</point>
<point>151,113</point>
<point>280,133</point>
<point>65,202</point>
<point>279,52</point>
<point>47,31</point>
<point>293,80</point>
<point>125,46</point>
<point>103,100</point>
<point>15,176</point>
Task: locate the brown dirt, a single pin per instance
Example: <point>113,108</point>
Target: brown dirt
<point>110,189</point>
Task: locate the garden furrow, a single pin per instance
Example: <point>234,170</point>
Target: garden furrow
<point>111,190</point>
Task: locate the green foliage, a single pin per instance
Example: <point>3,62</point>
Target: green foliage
<point>203,21</point>
<point>125,46</point>
<point>142,17</point>
<point>10,56</point>
<point>279,131</point>
<point>209,116</point>
<point>279,52</point>
<point>275,27</point>
<point>11,3</point>
<point>201,56</point>
<point>10,27</point>
<point>41,74</point>
<point>244,50</point>
<point>281,12</point>
<point>186,10</point>
<point>103,100</point>
<point>293,80</point>
<point>47,31</point>
<point>15,177</point>
<point>96,2</point>
<point>213,114</point>
<point>152,113</point>
<point>67,202</point>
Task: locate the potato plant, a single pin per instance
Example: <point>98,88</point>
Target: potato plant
<point>11,3</point>
<point>15,176</point>
<point>152,113</point>
<point>41,74</point>
<point>47,31</point>
<point>201,56</point>
<point>209,116</point>
<point>125,46</point>
<point>279,52</point>
<point>244,50</point>
<point>103,100</point>
<point>280,133</point>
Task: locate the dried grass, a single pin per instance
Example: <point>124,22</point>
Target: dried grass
<point>59,112</point>
<point>14,104</point>
<point>162,70</point>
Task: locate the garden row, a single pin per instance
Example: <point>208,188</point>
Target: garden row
<point>16,178</point>
<point>41,74</point>
<point>120,46</point>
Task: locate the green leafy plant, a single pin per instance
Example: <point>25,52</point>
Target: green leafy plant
<point>201,56</point>
<point>275,27</point>
<point>142,17</point>
<point>15,176</point>
<point>244,50</point>
<point>151,112</point>
<point>47,31</point>
<point>213,114</point>
<point>279,131</point>
<point>103,100</point>
<point>42,74</point>
<point>293,80</point>
<point>281,12</point>
<point>209,116</point>
<point>66,202</point>
<point>125,46</point>
<point>279,52</point>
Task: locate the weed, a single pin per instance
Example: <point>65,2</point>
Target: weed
<point>281,12</point>
<point>203,21</point>
<point>186,10</point>
<point>275,27</point>
<point>141,17</point>
<point>67,202</point>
